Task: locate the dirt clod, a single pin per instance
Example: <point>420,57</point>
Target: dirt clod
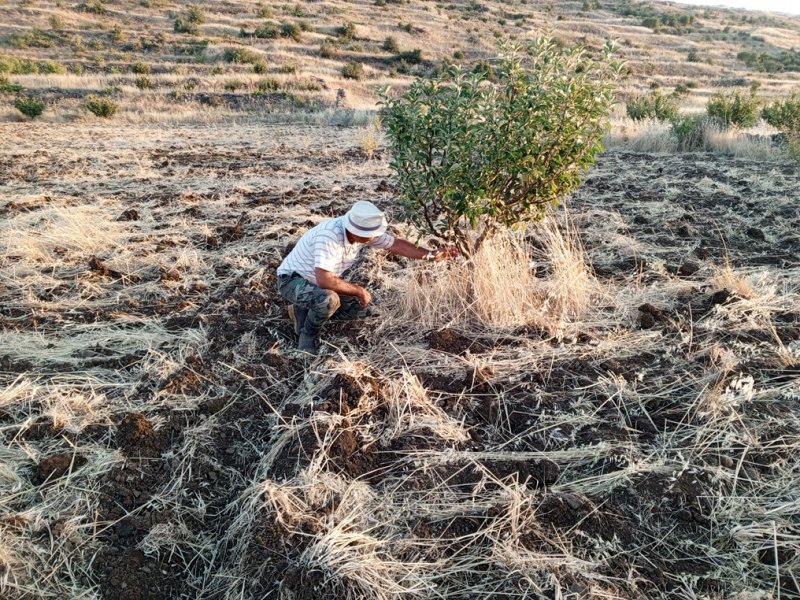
<point>135,435</point>
<point>54,467</point>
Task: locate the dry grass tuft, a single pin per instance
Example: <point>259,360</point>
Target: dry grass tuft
<point>498,287</point>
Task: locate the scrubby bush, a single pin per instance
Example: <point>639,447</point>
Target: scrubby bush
<point>734,109</point>
<point>264,32</point>
<point>30,106</point>
<point>140,68</point>
<point>353,70</point>
<point>6,86</point>
<point>144,83</point>
<point>784,114</point>
<point>652,106</point>
<point>412,57</point>
<point>25,66</point>
<point>92,6</point>
<point>291,30</point>
<point>472,157</point>
<point>101,107</point>
<point>390,45</point>
<point>346,31</point>
<point>328,48</point>
<point>691,130</point>
<point>195,14</point>
<point>771,63</point>
<point>269,84</point>
<point>185,26</point>
<point>241,56</point>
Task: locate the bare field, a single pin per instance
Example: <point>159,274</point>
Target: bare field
<point>623,426</point>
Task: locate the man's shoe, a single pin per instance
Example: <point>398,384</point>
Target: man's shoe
<point>307,343</point>
<point>298,316</point>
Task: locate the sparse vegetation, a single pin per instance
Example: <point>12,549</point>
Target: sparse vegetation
<point>25,66</point>
<point>771,62</point>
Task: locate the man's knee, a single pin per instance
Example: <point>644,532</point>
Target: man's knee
<point>327,302</point>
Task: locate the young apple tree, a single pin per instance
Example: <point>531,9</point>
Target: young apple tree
<point>477,152</point>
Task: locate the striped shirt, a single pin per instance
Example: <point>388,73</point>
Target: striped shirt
<point>325,246</point>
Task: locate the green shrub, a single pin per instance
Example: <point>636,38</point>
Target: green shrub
<point>101,107</point>
<point>472,157</point>
<point>690,130</point>
<point>288,69</point>
<point>260,67</point>
<point>328,48</point>
<point>36,38</point>
<point>195,15</point>
<point>412,57</point>
<point>6,86</point>
<point>140,68</point>
<point>144,83</point>
<point>30,106</point>
<point>390,45</point>
<point>346,31</point>
<point>268,32</point>
<point>652,106</point>
<point>353,70</point>
<point>292,30</point>
<point>26,66</point>
<point>269,84</point>
<point>771,63</point>
<point>241,56</point>
<point>92,6</point>
<point>681,90</point>
<point>48,67</point>
<point>458,55</point>
<point>784,115</point>
<point>185,26</point>
<point>734,109</point>
<point>233,85</point>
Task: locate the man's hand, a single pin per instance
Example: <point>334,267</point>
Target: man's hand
<point>364,298</point>
<point>447,253</point>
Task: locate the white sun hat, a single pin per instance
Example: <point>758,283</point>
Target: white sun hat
<point>365,219</point>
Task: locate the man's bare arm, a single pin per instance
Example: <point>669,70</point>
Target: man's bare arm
<point>409,250</point>
<point>328,281</point>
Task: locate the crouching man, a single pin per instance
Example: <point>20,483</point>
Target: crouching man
<point>310,276</point>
